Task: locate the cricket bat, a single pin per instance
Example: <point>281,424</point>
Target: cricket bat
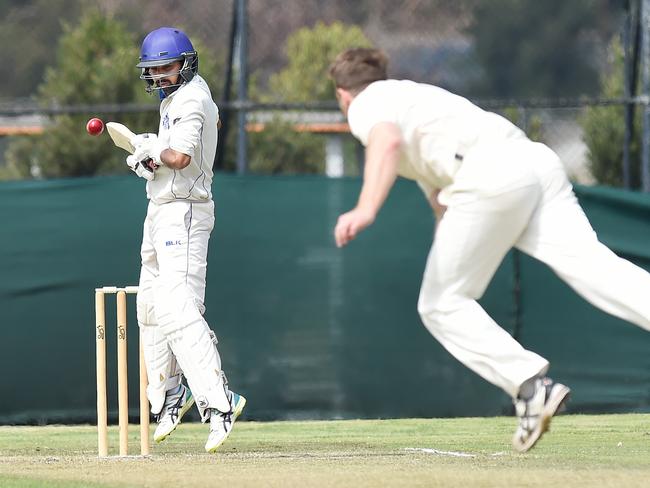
<point>121,135</point>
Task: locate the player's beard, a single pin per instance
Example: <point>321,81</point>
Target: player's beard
<point>167,89</point>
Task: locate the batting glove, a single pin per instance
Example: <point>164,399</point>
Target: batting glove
<point>139,168</point>
<point>147,147</point>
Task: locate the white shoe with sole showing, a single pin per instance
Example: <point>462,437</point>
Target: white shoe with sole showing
<point>176,405</point>
<point>221,423</point>
<point>535,414</point>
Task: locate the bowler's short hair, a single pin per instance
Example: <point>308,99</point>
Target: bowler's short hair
<point>356,68</point>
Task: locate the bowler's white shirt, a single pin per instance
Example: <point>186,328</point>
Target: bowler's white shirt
<point>438,128</point>
<point>188,124</point>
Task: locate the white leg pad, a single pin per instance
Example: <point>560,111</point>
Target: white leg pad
<point>196,351</point>
<point>163,371</point>
<point>194,346</point>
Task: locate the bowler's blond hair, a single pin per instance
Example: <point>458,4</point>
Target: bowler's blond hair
<point>356,68</point>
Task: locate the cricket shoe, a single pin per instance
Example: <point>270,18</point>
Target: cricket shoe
<point>221,423</point>
<point>176,405</point>
<point>535,414</point>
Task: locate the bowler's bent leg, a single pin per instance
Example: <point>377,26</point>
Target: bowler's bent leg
<point>471,240</point>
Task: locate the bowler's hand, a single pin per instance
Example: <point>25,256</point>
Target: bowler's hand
<point>350,224</point>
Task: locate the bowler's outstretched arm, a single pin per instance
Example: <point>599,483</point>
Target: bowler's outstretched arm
<point>380,173</point>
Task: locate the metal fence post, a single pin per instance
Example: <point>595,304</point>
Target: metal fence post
<point>627,92</point>
<point>645,74</point>
<point>242,90</point>
<point>225,110</point>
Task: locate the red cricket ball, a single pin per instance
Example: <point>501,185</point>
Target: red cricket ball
<point>95,126</point>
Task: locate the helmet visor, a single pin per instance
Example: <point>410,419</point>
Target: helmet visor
<point>157,62</point>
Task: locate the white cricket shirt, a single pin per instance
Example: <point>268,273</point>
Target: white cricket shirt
<point>188,124</point>
<point>438,128</point>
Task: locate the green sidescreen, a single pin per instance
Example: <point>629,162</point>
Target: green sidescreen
<point>305,330</point>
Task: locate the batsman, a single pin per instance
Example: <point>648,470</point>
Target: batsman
<point>491,189</point>
<point>177,164</point>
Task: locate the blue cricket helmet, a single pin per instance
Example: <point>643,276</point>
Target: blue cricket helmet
<point>166,45</point>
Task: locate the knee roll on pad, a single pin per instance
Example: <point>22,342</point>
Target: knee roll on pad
<point>175,314</point>
<point>200,306</point>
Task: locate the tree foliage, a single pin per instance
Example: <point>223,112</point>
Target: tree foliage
<point>310,52</point>
<point>28,34</point>
<point>538,48</point>
<point>604,129</point>
<point>279,149</point>
<point>95,64</point>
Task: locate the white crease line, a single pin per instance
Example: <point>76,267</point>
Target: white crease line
<point>441,453</point>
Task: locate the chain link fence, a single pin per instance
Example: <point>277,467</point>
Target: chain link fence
<point>503,54</point>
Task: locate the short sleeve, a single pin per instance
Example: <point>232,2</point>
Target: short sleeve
<point>370,107</point>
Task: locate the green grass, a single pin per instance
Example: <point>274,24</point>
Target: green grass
<point>581,451</point>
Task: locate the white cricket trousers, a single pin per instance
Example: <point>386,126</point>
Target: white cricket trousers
<point>171,303</point>
<point>516,194</point>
